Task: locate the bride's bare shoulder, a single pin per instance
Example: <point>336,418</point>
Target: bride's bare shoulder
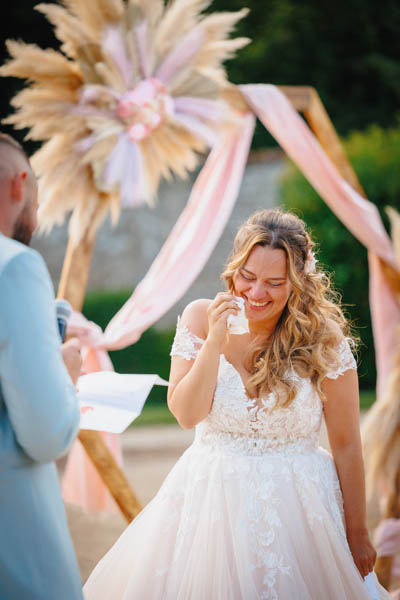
<point>194,317</point>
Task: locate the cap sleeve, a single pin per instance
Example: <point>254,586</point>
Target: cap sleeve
<point>347,360</point>
<point>186,344</point>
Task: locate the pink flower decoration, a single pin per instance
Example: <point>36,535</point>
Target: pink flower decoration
<point>138,131</point>
<point>144,108</point>
<point>310,263</point>
<point>146,91</point>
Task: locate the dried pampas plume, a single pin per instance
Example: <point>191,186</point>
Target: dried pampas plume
<point>134,95</point>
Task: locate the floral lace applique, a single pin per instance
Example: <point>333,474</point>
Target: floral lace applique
<point>250,426</point>
<point>347,360</point>
<point>261,527</point>
<point>186,344</point>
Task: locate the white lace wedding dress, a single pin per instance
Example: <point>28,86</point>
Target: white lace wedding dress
<point>251,511</point>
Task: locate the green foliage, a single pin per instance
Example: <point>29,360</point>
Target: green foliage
<point>154,414</point>
<point>367,398</point>
<point>348,50</point>
<point>375,156</point>
<point>149,355</point>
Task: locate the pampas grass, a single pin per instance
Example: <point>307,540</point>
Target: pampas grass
<point>109,44</point>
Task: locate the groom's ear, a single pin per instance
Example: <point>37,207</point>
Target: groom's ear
<point>17,187</point>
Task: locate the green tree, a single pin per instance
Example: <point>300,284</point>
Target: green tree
<point>348,50</point>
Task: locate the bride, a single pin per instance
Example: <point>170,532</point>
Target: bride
<point>254,509</point>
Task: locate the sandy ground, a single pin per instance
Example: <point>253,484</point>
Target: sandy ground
<point>149,454</point>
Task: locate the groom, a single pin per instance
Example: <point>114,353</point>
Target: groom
<point>39,414</point>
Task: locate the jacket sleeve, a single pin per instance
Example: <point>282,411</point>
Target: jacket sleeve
<point>37,390</point>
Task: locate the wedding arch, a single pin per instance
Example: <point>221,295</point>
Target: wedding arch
<point>137,91</point>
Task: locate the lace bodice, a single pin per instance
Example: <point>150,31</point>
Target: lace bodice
<point>246,425</point>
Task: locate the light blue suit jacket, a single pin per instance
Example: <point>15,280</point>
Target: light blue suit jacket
<point>39,419</point>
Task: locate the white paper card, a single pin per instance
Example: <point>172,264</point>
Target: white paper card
<point>111,401</point>
<point>370,584</point>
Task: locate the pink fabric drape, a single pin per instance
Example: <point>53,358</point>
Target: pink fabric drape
<point>385,312</point>
<point>82,484</point>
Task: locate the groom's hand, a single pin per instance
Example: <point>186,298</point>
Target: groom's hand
<point>72,358</point>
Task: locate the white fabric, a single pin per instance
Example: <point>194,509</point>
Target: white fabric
<point>252,510</point>
<point>238,324</point>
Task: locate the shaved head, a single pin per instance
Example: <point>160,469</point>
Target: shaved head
<point>18,191</point>
<point>12,157</point>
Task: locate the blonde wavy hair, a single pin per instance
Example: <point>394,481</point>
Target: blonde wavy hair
<point>312,325</point>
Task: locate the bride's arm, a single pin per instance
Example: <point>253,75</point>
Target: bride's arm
<point>342,417</point>
<point>192,383</point>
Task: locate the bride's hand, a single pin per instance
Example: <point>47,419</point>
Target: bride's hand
<point>363,552</point>
<point>221,307</point>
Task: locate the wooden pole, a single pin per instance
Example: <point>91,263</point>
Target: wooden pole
<point>73,282</point>
<point>113,477</point>
<point>75,272</point>
<point>298,95</point>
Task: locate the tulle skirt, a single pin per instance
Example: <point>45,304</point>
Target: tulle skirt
<point>229,526</point>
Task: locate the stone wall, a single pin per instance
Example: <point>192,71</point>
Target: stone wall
<point>123,255</point>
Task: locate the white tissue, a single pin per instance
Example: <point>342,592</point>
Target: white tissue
<point>238,324</point>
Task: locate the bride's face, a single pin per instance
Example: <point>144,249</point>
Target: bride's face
<point>263,284</point>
